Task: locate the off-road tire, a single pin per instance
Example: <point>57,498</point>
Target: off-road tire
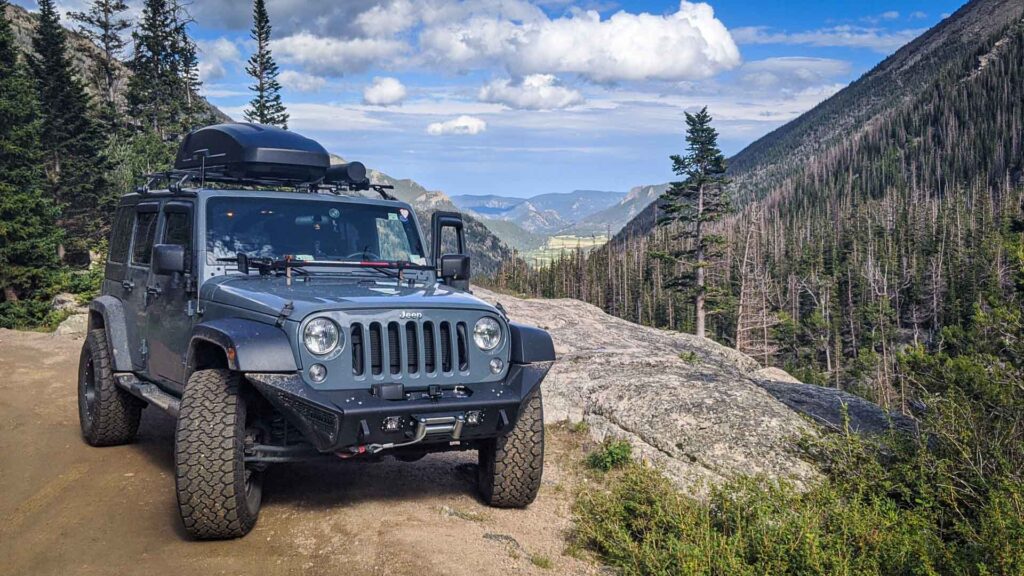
<point>109,416</point>
<point>209,458</point>
<point>511,465</point>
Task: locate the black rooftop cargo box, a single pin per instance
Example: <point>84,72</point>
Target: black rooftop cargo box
<point>252,152</point>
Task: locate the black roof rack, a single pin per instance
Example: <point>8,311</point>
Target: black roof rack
<point>260,156</point>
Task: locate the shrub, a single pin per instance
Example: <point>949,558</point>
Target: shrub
<point>611,454</point>
<point>642,525</point>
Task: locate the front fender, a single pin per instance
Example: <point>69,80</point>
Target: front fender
<point>249,346</point>
<point>530,344</point>
<point>111,311</point>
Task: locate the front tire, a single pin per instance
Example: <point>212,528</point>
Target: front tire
<point>511,465</point>
<point>109,416</point>
<point>218,496</point>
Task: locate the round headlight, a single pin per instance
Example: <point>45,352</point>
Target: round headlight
<point>487,334</point>
<point>321,336</point>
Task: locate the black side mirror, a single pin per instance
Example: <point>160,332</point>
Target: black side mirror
<point>455,271</point>
<point>452,268</point>
<point>168,259</point>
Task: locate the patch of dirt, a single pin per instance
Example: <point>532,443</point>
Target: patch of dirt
<point>71,509</point>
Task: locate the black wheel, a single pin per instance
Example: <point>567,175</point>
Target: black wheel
<point>218,495</point>
<point>511,465</point>
<point>109,416</point>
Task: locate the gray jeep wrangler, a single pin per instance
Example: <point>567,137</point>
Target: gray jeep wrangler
<point>281,315</point>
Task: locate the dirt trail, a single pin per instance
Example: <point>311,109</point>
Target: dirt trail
<point>67,508</point>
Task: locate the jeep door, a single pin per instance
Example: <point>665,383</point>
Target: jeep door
<point>133,284</point>
<point>170,300</point>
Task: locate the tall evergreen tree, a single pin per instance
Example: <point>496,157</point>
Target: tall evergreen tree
<point>692,204</point>
<point>71,139</point>
<point>152,88</point>
<point>29,235</point>
<point>186,63</point>
<point>163,93</point>
<point>103,23</point>
<point>266,106</point>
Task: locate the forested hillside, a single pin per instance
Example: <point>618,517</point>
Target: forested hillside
<point>858,246</point>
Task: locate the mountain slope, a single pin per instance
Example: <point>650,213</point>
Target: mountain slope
<point>854,243</point>
<point>894,84</point>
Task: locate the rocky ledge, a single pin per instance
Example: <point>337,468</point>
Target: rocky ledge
<point>703,412</point>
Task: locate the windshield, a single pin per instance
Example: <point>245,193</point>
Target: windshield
<point>310,230</point>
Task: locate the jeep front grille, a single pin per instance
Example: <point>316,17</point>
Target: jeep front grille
<point>398,349</point>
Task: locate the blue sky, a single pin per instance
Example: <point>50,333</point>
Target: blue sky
<point>520,97</point>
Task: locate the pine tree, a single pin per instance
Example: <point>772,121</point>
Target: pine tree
<point>163,93</point>
<point>692,204</point>
<point>266,106</point>
<point>28,233</point>
<point>152,88</point>
<point>71,139</point>
<point>103,23</point>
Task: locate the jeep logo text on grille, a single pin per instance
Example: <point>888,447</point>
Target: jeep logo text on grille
<point>405,315</point>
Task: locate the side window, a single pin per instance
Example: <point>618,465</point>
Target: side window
<point>178,231</point>
<point>121,237</point>
<point>145,230</point>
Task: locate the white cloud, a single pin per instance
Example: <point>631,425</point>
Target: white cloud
<point>534,92</point>
<point>300,81</point>
<point>463,125</point>
<point>890,15</point>
<point>792,73</point>
<point>918,15</point>
<point>384,92</point>
<point>335,56</point>
<point>215,57</point>
<point>841,36</point>
<point>689,44</point>
<point>512,34</point>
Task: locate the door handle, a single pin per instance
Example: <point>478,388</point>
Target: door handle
<point>128,285</point>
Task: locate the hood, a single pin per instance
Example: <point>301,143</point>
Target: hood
<point>269,294</point>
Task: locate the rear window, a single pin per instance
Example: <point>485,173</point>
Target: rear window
<point>145,229</point>
<point>120,239</point>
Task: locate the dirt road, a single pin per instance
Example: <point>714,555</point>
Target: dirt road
<point>67,508</point>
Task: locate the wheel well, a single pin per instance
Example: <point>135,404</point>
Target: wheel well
<point>206,355</point>
<point>96,320</point>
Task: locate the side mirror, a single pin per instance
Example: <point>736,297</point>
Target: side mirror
<point>168,259</point>
<point>455,271</point>
<point>452,268</point>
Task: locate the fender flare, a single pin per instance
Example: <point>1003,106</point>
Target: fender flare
<point>530,344</point>
<point>114,324</point>
<point>249,346</point>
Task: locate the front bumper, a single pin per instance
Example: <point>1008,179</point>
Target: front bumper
<point>338,420</point>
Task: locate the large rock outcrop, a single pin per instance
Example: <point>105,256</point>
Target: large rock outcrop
<point>702,411</point>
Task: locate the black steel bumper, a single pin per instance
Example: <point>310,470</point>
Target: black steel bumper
<point>340,420</point>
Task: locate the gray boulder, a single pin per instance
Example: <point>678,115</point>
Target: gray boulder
<point>689,405</point>
<point>74,326</point>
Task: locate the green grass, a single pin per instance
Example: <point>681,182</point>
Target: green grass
<point>610,455</point>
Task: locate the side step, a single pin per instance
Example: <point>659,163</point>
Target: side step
<point>151,393</point>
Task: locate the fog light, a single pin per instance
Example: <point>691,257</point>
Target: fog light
<point>317,373</point>
<point>392,424</point>
<point>497,365</point>
<point>474,417</point>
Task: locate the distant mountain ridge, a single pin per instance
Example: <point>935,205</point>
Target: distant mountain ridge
<point>550,213</point>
